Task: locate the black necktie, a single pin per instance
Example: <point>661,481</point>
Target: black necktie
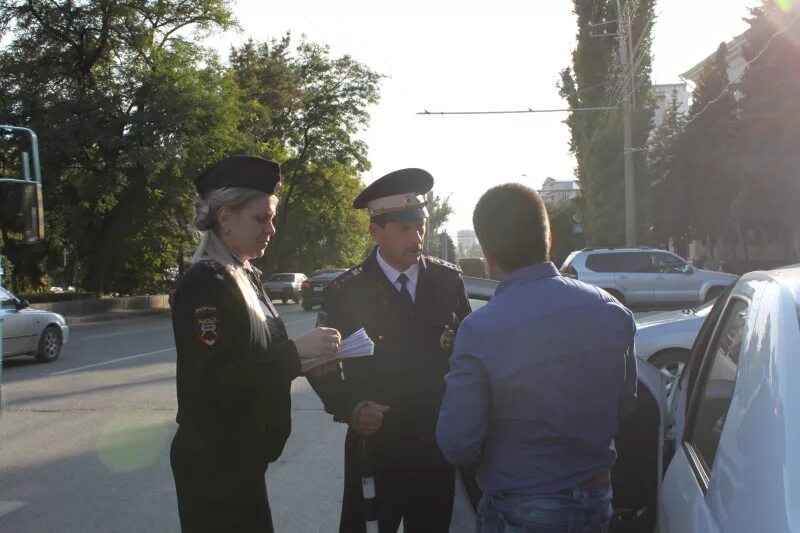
<point>402,279</point>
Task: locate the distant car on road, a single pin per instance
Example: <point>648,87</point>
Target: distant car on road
<point>285,286</point>
<point>29,331</point>
<point>646,276</point>
<point>313,287</point>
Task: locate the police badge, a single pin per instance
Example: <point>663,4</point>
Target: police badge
<point>206,319</point>
<point>447,339</point>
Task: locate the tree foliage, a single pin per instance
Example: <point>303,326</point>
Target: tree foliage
<point>129,106</point>
<point>727,174</point>
<point>597,79</point>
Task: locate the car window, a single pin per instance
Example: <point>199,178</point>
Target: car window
<point>476,303</point>
<point>632,262</point>
<point>6,298</point>
<point>601,262</point>
<point>667,263</point>
<point>569,259</point>
<point>717,383</point>
<point>282,277</point>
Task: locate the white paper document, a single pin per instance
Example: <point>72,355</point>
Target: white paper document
<point>356,345</point>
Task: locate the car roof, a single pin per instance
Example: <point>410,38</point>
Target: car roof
<point>624,249</point>
<point>480,288</point>
<point>788,277</point>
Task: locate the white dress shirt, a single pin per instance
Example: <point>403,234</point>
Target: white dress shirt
<point>391,273</point>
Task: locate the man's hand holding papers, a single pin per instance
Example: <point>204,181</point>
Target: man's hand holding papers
<point>356,345</point>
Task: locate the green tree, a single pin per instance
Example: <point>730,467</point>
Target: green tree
<point>767,148</point>
<point>671,192</point>
<point>126,106</point>
<point>711,181</point>
<point>564,218</point>
<point>596,79</point>
<point>308,109</point>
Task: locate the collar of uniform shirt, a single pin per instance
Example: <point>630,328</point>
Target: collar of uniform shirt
<point>391,273</point>
<point>529,273</point>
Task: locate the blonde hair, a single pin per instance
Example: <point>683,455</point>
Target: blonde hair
<point>212,247</point>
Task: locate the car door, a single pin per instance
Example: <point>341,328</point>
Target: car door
<point>673,282</point>
<point>637,474</point>
<point>685,504</point>
<point>634,277</point>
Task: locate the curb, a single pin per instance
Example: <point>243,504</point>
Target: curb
<point>74,320</point>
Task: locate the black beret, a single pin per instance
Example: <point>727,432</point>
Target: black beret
<point>246,171</point>
<point>399,195</point>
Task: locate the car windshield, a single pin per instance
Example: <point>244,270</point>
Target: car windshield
<point>282,277</point>
<point>330,274</point>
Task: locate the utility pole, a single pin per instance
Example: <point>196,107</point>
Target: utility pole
<point>630,187</point>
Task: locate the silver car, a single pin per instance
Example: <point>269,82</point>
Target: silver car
<point>285,286</point>
<point>31,331</point>
<point>646,276</point>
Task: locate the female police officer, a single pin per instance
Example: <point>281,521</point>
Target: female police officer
<point>235,361</point>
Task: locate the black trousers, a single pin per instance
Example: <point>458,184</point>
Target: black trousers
<point>422,498</point>
<point>200,516</point>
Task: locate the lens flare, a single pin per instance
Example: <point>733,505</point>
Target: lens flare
<point>129,442</point>
<point>784,5</point>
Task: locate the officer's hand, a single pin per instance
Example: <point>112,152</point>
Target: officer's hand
<point>367,417</point>
<point>319,342</point>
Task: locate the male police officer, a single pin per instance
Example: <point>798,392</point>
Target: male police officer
<point>411,307</point>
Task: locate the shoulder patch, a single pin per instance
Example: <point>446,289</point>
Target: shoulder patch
<point>442,263</point>
<point>206,324</point>
<point>347,276</point>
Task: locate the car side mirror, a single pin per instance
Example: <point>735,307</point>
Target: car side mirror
<point>688,269</point>
<point>22,303</point>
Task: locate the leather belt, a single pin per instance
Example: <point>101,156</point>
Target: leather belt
<point>601,479</point>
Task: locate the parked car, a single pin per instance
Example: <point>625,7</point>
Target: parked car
<point>664,339</point>
<point>312,288</point>
<point>479,290</point>
<point>646,276</point>
<point>727,430</point>
<point>285,286</point>
<point>29,331</point>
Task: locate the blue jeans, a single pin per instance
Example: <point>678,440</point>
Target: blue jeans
<point>585,511</point>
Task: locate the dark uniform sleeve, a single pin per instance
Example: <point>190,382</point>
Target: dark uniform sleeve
<point>213,335</point>
<point>331,388</point>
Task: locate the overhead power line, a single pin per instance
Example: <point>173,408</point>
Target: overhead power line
<point>513,112</point>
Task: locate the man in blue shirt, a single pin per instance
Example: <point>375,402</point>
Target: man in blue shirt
<point>537,381</point>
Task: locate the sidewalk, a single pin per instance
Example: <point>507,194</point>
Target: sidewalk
<point>73,320</point>
<point>98,310</point>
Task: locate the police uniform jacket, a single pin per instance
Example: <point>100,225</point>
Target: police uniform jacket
<point>233,395</point>
<point>412,348</point>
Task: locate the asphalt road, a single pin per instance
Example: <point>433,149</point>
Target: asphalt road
<point>84,441</point>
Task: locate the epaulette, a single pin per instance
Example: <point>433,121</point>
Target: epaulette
<point>219,269</point>
<point>442,263</point>
<point>344,277</point>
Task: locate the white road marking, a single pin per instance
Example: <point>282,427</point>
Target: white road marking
<point>10,507</point>
<point>130,332</point>
<point>110,362</point>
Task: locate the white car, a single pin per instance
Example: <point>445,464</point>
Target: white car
<point>728,429</point>
<point>665,338</point>
<point>31,331</point>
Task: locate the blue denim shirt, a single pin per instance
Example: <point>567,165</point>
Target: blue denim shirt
<point>538,378</point>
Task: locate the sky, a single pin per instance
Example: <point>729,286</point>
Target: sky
<point>469,55</point>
